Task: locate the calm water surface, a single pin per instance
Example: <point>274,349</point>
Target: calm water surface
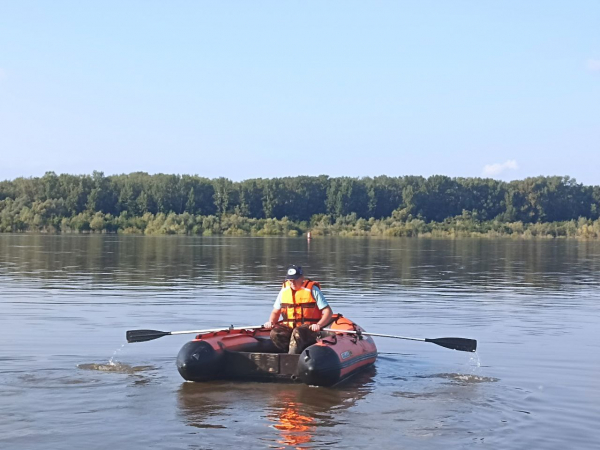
<point>68,380</point>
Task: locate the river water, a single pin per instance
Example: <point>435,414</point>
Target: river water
<point>68,380</point>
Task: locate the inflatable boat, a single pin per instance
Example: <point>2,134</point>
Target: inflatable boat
<point>242,354</point>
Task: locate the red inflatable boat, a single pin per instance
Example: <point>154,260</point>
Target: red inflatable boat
<point>250,355</point>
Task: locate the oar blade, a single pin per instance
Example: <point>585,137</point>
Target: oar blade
<point>145,335</point>
<point>460,344</point>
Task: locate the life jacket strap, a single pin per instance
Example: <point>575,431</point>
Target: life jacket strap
<point>299,305</point>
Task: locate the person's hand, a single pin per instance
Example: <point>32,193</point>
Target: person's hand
<point>268,325</point>
<point>315,327</point>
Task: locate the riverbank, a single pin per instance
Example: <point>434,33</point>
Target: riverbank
<point>464,226</point>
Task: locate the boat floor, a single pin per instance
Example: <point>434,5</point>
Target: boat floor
<point>265,365</point>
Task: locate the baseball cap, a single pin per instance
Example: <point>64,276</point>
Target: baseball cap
<point>293,272</point>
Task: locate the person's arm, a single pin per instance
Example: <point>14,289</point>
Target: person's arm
<point>327,315</point>
<point>326,311</point>
<point>273,318</point>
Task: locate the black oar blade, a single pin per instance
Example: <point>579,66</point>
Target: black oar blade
<point>460,344</point>
<point>144,335</point>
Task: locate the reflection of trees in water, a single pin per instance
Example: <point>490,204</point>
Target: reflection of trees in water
<point>373,263</point>
<point>296,411</point>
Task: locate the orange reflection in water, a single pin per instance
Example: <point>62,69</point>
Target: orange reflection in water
<point>295,428</point>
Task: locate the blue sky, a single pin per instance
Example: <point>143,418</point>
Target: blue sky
<point>262,89</point>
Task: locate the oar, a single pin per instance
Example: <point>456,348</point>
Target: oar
<point>149,335</point>
<point>460,344</point>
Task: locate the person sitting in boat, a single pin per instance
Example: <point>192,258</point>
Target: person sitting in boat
<point>304,309</point>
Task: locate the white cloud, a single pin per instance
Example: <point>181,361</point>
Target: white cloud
<point>491,170</point>
<point>593,65</point>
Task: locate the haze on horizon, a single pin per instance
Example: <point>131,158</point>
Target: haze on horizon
<point>246,90</point>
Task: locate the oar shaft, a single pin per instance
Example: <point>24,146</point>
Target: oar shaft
<point>460,344</point>
<point>251,327</point>
<point>150,335</point>
<point>374,334</point>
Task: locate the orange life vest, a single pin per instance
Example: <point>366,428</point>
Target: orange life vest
<point>299,307</point>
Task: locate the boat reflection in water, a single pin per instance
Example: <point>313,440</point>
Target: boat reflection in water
<point>281,415</point>
<point>295,428</point>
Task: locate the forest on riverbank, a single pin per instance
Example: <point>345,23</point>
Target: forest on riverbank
<point>437,206</point>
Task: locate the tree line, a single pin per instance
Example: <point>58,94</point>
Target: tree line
<point>43,203</point>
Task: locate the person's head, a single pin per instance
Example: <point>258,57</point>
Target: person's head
<point>295,276</point>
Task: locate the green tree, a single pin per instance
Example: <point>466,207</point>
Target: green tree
<point>190,206</point>
<point>223,189</point>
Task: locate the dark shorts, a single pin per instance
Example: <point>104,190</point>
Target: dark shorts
<point>293,341</point>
